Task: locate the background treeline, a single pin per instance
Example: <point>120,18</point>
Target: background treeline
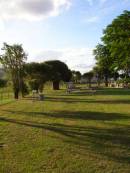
<point>33,75</point>
<point>113,53</point>
<point>112,62</point>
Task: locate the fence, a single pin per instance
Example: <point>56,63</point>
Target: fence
<point>5,96</point>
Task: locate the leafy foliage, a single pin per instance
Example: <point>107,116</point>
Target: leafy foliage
<point>37,74</point>
<point>13,60</point>
<point>76,76</point>
<point>89,75</point>
<point>117,38</point>
<point>113,55</point>
<point>104,61</point>
<point>59,72</point>
<point>3,83</point>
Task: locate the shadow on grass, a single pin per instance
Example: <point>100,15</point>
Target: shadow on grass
<point>75,100</point>
<point>112,143</point>
<point>74,115</point>
<point>103,91</point>
<point>114,91</point>
<point>76,97</point>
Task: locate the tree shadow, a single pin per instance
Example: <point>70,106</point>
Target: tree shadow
<point>102,91</point>
<point>114,91</point>
<point>102,141</point>
<point>78,100</point>
<point>74,115</point>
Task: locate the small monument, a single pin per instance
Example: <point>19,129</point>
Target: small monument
<point>70,87</point>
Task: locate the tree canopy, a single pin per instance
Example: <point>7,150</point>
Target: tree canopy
<point>13,60</point>
<point>76,76</point>
<point>59,72</point>
<point>117,38</point>
<point>89,75</point>
<point>38,74</point>
<point>113,55</point>
<point>104,62</point>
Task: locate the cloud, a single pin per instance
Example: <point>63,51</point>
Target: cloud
<point>91,2</point>
<point>2,26</point>
<point>46,55</point>
<point>32,9</point>
<point>103,1</point>
<point>76,58</point>
<point>92,19</point>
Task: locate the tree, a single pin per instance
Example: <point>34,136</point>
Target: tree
<point>3,83</point>
<point>24,89</point>
<point>38,74</point>
<point>98,73</point>
<point>117,38</point>
<point>76,76</point>
<point>104,61</point>
<point>89,75</point>
<point>2,73</point>
<point>13,61</point>
<point>59,72</point>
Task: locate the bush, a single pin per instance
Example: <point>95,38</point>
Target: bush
<point>34,84</point>
<point>3,83</point>
<point>24,89</point>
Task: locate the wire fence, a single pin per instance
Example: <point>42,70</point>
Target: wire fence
<point>5,96</point>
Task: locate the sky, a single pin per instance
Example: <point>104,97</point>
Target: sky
<point>67,30</point>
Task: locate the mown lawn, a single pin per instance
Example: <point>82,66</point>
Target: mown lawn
<point>67,133</point>
<point>6,95</point>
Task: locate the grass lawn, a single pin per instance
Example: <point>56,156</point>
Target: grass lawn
<point>67,133</point>
<point>6,96</point>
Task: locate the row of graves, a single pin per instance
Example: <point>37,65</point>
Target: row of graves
<point>70,88</point>
<point>37,96</point>
<point>117,84</point>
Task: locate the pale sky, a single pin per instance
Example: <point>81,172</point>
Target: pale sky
<point>67,30</point>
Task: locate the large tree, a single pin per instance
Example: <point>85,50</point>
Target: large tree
<point>37,74</point>
<point>59,72</point>
<point>3,83</point>
<point>117,38</point>
<point>104,61</point>
<point>76,76</point>
<point>89,75</point>
<point>13,60</point>
<point>98,73</point>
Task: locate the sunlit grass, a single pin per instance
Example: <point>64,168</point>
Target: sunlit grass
<point>67,133</point>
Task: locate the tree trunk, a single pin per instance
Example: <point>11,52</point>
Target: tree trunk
<point>106,81</point>
<point>16,93</point>
<point>89,84</point>
<point>98,83</point>
<point>56,85</point>
<point>41,88</point>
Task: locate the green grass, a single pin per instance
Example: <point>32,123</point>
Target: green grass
<point>6,95</point>
<point>67,133</point>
